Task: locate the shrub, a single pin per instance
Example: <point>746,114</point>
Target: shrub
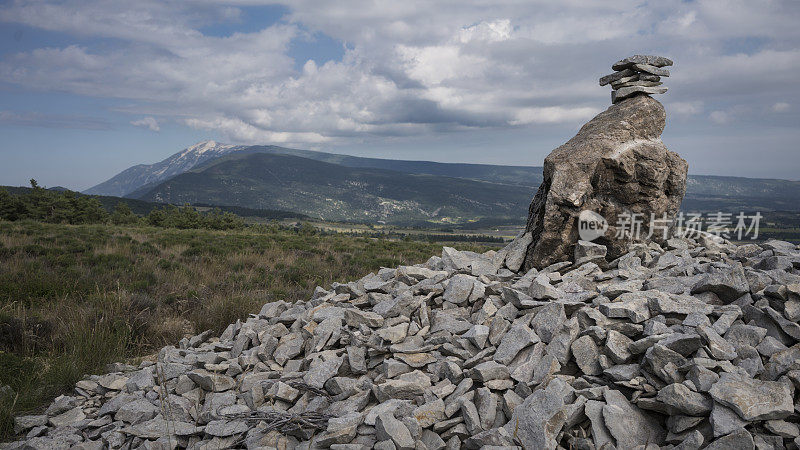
<point>187,217</point>
<point>123,215</point>
<point>50,206</point>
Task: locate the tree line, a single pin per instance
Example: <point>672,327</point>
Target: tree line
<point>68,207</point>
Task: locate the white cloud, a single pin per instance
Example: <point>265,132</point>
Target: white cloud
<point>241,131</point>
<point>147,122</point>
<point>781,107</point>
<point>689,108</point>
<point>492,31</point>
<point>553,114</point>
<point>152,21</point>
<point>720,117</point>
<point>729,114</point>
<point>410,68</point>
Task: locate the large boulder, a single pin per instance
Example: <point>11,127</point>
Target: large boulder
<point>617,167</point>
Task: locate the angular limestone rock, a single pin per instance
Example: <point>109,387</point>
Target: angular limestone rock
<point>616,166</point>
<point>629,425</point>
<point>753,399</point>
<point>538,420</point>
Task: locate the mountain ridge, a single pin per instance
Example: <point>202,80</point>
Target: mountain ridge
<point>135,177</point>
<point>141,174</point>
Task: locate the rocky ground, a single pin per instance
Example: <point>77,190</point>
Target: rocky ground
<point>688,346</point>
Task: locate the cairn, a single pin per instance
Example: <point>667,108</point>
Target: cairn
<point>637,74</point>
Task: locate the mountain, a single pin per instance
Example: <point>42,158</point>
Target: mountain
<point>148,175</point>
<point>137,176</point>
<point>337,192</point>
<point>519,175</point>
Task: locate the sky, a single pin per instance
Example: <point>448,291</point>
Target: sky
<point>90,88</point>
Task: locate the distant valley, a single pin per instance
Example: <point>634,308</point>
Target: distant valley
<point>349,188</point>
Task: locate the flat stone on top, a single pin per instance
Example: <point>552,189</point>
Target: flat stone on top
<point>657,61</point>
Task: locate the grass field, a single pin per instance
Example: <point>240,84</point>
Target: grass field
<point>74,298</point>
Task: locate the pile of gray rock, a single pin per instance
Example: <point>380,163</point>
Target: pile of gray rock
<point>693,344</point>
<point>637,74</point>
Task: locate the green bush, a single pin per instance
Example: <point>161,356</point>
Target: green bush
<point>67,207</point>
<point>123,215</point>
<point>187,217</point>
<point>51,206</point>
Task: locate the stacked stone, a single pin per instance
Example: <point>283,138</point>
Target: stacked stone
<point>687,345</point>
<point>637,74</point>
